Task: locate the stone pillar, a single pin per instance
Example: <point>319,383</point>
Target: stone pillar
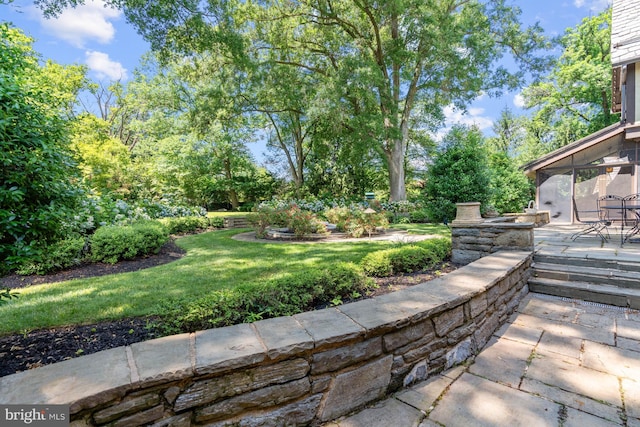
<point>470,242</point>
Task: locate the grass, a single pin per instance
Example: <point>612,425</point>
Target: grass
<point>213,261</point>
<point>438,230</point>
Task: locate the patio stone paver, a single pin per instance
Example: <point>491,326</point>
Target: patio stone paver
<point>475,401</point>
<point>605,336</point>
<point>390,412</point>
<point>564,373</point>
<point>631,389</point>
<point>613,360</point>
<point>582,419</point>
<point>535,370</point>
<point>628,329</point>
<point>503,361</point>
<point>628,344</point>
<point>572,400</point>
<point>519,333</point>
<point>561,345</point>
<point>426,394</point>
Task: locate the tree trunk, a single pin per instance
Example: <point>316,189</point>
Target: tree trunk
<point>395,160</point>
<point>232,193</point>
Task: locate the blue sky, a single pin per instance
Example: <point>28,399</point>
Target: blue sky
<point>102,39</point>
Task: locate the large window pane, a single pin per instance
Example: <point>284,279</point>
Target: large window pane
<point>555,196</point>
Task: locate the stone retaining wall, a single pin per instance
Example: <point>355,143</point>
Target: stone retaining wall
<point>299,370</point>
<point>470,242</point>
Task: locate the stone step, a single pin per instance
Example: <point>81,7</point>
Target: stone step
<point>624,265</point>
<point>599,293</point>
<point>236,222</point>
<point>596,275</point>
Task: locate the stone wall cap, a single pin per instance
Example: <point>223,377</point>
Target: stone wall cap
<point>82,382</point>
<point>163,359</point>
<point>329,326</point>
<point>282,336</point>
<point>226,348</point>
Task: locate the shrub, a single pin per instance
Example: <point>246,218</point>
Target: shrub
<point>113,243</point>
<point>354,221</point>
<point>185,224</point>
<point>283,296</point>
<point>216,222</point>
<point>297,220</point>
<point>460,173</point>
<point>440,246</point>
<point>419,216</point>
<point>57,256</point>
<point>406,259</point>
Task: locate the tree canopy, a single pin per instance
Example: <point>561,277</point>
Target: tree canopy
<point>574,99</point>
<point>39,184</point>
<point>374,70</point>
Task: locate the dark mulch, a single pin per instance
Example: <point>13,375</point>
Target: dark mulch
<point>169,252</point>
<point>32,349</point>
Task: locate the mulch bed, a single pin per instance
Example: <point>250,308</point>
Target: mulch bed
<point>33,349</point>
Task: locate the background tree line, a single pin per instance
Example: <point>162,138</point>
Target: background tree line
<point>347,94</point>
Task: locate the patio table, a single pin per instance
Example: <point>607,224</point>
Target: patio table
<point>635,209</point>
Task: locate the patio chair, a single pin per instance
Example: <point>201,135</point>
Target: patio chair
<point>612,208</point>
<point>597,226</point>
<point>631,205</point>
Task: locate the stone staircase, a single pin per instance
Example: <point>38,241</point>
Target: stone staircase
<point>597,280</point>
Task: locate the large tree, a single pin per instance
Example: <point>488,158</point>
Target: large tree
<point>377,64</point>
<point>38,177</point>
<point>574,99</point>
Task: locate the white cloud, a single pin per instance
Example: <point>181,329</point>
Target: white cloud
<point>593,5</point>
<point>518,100</point>
<point>103,66</point>
<point>90,21</point>
<point>472,117</point>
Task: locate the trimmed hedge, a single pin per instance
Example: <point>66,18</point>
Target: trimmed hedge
<point>284,296</point>
<point>57,256</point>
<point>113,243</point>
<point>406,259</point>
<point>185,224</point>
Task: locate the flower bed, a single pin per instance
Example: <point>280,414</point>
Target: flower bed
<point>290,221</point>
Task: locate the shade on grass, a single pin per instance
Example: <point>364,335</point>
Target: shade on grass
<point>213,261</point>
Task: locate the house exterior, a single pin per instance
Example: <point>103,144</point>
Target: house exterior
<point>605,162</point>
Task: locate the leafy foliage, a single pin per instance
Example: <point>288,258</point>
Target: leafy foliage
<point>59,255</point>
<point>285,296</point>
<point>573,100</point>
<point>39,179</point>
<point>185,224</point>
<point>406,258</point>
<point>113,243</point>
<point>351,79</point>
<point>512,190</point>
<point>299,221</point>
<point>356,222</point>
<point>459,174</point>
<point>7,295</point>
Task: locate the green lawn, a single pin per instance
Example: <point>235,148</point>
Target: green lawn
<point>213,261</point>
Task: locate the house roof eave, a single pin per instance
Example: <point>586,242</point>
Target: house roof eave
<point>559,154</point>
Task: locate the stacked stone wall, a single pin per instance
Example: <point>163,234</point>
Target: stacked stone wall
<point>472,242</point>
<point>300,370</point>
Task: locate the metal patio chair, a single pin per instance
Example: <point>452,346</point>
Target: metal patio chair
<point>597,226</point>
<point>612,208</point>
